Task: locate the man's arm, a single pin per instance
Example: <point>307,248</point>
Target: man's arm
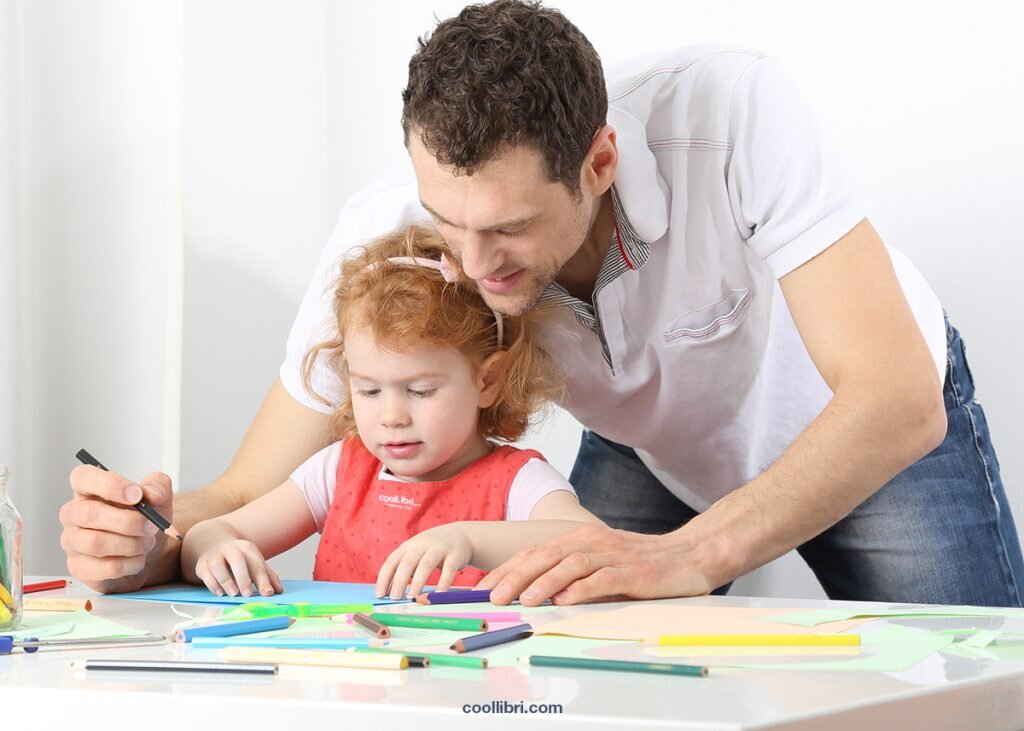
<point>109,546</point>
<point>886,413</point>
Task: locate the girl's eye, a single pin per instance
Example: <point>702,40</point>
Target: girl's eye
<point>423,394</point>
<point>369,392</point>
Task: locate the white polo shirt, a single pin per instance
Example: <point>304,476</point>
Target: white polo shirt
<point>688,352</point>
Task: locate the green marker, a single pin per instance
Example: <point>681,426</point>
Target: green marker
<point>266,609</point>
<point>459,624</point>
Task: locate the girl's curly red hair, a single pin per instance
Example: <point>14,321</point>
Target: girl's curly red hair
<point>409,306</point>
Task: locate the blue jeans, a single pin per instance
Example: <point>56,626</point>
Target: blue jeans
<point>940,532</point>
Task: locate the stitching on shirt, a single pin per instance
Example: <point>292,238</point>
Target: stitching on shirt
<point>673,69</point>
<point>715,325</point>
<point>677,143</point>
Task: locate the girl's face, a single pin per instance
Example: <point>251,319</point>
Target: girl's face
<point>417,411</point>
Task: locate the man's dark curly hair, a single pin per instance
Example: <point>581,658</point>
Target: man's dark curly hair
<point>503,74</point>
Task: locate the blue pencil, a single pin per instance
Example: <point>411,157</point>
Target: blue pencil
<point>230,629</point>
<point>454,597</point>
<point>487,639</point>
<point>291,643</point>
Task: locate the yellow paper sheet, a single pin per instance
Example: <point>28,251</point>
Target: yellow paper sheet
<point>645,622</point>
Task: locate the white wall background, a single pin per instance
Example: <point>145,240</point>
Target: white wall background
<point>287,108</point>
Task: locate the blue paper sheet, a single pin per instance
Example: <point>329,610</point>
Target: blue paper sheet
<point>295,592</point>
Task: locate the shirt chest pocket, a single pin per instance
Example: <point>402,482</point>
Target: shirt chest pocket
<point>710,322</point>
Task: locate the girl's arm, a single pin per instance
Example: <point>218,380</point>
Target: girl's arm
<point>494,543</point>
<point>483,544</point>
<point>229,552</point>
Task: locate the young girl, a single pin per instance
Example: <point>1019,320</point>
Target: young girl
<point>416,481</point>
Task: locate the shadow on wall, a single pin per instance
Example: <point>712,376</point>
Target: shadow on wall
<point>236,322</point>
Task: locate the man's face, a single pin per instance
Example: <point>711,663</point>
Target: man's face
<point>512,228</point>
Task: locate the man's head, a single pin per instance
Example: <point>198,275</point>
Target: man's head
<point>504,117</point>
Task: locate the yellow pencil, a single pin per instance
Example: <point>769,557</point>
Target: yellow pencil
<point>60,604</point>
<point>760,640</point>
<point>326,658</point>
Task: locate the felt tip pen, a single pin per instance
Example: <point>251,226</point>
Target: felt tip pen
<point>142,506</point>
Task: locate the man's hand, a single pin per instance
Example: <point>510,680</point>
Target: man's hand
<point>109,544</point>
<point>596,562</point>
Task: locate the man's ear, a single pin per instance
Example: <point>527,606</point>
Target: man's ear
<point>488,378</point>
<point>601,162</point>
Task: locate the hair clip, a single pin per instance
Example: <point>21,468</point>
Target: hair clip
<point>450,274</point>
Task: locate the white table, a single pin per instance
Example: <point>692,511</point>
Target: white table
<point>42,691</point>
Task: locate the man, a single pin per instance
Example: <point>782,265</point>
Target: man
<point>756,370</point>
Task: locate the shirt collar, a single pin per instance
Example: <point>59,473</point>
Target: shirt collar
<point>643,193</point>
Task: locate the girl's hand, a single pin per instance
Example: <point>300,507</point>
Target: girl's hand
<point>234,567</point>
<point>446,547</point>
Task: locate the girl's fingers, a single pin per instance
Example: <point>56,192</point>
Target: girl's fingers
<point>403,573</point>
<point>427,564</point>
<point>222,575</point>
<point>448,571</point>
<point>207,577</point>
<point>240,570</point>
<point>387,571</point>
<point>275,581</point>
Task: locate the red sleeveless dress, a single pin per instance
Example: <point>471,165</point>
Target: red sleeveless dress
<point>369,517</point>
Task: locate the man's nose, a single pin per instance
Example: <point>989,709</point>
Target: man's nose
<point>479,257</point>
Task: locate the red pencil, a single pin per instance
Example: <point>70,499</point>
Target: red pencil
<point>44,586</point>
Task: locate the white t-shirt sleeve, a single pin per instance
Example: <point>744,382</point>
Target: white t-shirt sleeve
<point>790,192</point>
<point>535,480</point>
<point>375,211</point>
<point>316,479</point>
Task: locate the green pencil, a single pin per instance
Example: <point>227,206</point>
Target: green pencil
<point>458,661</point>
<point>459,624</point>
<point>662,668</point>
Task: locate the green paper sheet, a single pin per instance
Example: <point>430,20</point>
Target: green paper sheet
<point>77,625</point>
<point>813,617</point>
<point>508,655</point>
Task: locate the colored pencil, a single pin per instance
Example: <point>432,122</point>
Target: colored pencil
<point>454,597</point>
<point>45,586</point>
<point>62,604</point>
<point>459,624</point>
<point>325,658</point>
<point>231,629</point>
<point>627,666</point>
<point>31,644</point>
<point>489,639</point>
<point>459,661</point>
<point>416,659</point>
<point>489,616</point>
<point>142,506</point>
<point>292,642</point>
<point>177,666</point>
<point>371,625</point>
<point>759,640</point>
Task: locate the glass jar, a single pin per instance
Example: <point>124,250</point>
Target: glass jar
<point>10,558</point>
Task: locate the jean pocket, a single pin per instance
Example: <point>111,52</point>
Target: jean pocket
<point>710,321</point>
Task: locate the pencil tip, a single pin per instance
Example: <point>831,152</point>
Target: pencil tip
<point>173,533</point>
